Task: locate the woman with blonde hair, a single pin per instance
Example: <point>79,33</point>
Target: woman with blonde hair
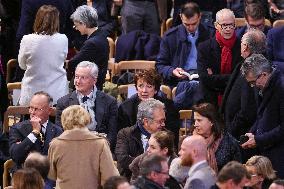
<point>78,144</point>
<point>261,171</point>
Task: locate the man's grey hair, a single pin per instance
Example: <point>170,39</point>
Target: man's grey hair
<point>256,64</point>
<point>86,15</point>
<point>49,98</point>
<point>255,40</point>
<point>224,13</point>
<point>151,163</point>
<point>147,107</point>
<point>87,64</point>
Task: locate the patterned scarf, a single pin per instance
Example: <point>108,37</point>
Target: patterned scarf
<point>212,146</point>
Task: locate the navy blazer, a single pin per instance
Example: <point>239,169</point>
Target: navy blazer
<point>174,51</point>
<point>209,56</point>
<point>105,112</point>
<point>275,44</point>
<point>240,31</point>
<point>21,146</point>
<point>269,126</point>
<point>95,49</point>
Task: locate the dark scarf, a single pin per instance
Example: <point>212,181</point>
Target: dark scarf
<point>142,129</point>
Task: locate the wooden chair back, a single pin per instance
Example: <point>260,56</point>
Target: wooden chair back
<point>6,175</point>
<point>11,66</point>
<point>278,23</point>
<point>134,65</point>
<point>11,87</point>
<point>185,115</point>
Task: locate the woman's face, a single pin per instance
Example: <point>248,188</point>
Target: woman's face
<point>145,90</point>
<point>256,179</point>
<point>203,126</point>
<point>154,148</point>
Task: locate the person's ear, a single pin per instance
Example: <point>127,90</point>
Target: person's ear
<point>165,151</point>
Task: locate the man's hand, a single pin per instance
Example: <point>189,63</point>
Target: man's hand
<point>250,143</point>
<point>35,121</point>
<point>117,2</point>
<point>176,73</point>
<point>209,71</point>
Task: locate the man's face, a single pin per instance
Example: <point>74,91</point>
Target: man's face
<point>256,23</point>
<point>258,81</point>
<point>124,185</point>
<point>158,121</point>
<point>240,185</point>
<point>39,107</point>
<point>185,154</point>
<point>256,179</point>
<point>191,24</point>
<point>80,27</point>
<point>83,80</point>
<point>226,26</point>
<point>162,176</point>
<point>145,90</point>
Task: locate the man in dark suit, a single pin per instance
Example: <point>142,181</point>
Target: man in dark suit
<point>102,107</point>
<point>95,48</point>
<point>193,153</point>
<point>178,46</point>
<point>275,44</point>
<point>34,134</point>
<point>267,133</point>
<point>255,18</point>
<point>133,141</point>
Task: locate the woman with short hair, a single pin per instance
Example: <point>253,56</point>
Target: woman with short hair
<point>42,55</point>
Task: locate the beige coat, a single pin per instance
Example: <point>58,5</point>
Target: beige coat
<point>80,159</point>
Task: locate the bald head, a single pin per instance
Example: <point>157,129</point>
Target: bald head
<point>255,41</point>
<point>277,184</point>
<point>198,143</point>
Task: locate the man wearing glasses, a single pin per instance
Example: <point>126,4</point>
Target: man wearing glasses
<point>255,18</point>
<point>36,133</point>
<point>217,57</point>
<point>267,133</point>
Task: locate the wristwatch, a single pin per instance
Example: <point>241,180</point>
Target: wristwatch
<point>36,133</point>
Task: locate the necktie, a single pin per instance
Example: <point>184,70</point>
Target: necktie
<point>85,98</point>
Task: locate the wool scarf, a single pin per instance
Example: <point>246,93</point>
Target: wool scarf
<point>212,146</point>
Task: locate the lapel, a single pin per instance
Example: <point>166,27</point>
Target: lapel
<point>73,100</point>
<point>136,136</point>
<point>26,128</point>
<point>216,52</point>
<point>50,133</point>
<point>201,166</point>
<point>99,107</point>
<point>183,46</point>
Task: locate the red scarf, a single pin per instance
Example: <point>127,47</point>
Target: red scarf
<point>226,55</point>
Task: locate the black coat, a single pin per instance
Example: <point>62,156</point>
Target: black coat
<point>95,49</point>
<point>239,104</point>
<point>269,126</point>
<point>209,56</point>
<point>144,183</point>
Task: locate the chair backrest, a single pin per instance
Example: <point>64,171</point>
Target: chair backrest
<point>14,113</point>
<point>111,70</point>
<point>185,115</point>
<point>278,23</point>
<point>11,87</point>
<point>11,66</point>
<point>169,23</point>
<point>163,28</point>
<point>111,47</point>
<point>135,65</point>
<point>174,92</point>
<point>123,91</point>
<point>6,175</point>
<point>242,22</point>
<point>167,90</point>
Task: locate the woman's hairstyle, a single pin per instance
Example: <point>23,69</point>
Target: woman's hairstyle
<point>165,139</point>
<point>114,181</point>
<point>47,20</point>
<point>86,15</point>
<point>27,178</point>
<point>210,112</point>
<point>75,116</point>
<point>263,166</point>
<point>149,76</point>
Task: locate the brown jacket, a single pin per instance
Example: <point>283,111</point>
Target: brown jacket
<point>80,159</point>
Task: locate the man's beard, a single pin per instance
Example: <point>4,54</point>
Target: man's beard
<point>188,161</point>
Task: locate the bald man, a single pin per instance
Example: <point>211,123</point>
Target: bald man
<point>193,153</point>
<point>277,184</point>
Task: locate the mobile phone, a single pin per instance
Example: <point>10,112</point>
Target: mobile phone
<point>243,139</point>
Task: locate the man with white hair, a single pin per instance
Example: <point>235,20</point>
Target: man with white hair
<point>101,106</point>
<point>193,153</point>
<point>217,57</point>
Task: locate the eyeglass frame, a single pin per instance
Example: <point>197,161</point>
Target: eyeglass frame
<point>35,109</point>
<point>253,82</point>
<point>224,26</point>
<point>164,173</point>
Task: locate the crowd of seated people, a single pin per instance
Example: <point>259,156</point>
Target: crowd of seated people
<point>237,127</point>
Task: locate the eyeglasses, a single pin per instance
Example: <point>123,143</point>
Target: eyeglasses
<point>253,82</point>
<point>164,173</point>
<point>76,24</point>
<point>35,109</point>
<point>227,26</point>
<point>160,122</point>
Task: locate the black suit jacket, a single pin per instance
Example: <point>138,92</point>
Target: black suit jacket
<point>209,56</point>
<point>21,146</point>
<point>105,112</point>
<point>95,49</point>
